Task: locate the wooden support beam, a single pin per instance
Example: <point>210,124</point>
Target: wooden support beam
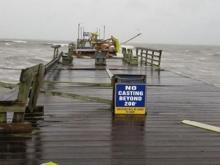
<point>12,108</point>
<point>15,128</point>
<point>24,85</point>
<point>202,125</point>
<point>18,117</point>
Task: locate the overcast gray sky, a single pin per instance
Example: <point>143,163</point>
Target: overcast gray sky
<point>160,21</point>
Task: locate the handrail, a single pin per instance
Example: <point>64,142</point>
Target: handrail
<point>52,62</point>
<point>148,56</point>
<point>145,56</point>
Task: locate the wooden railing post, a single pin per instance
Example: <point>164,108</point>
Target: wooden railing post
<point>141,56</point>
<point>152,58</point>
<point>160,53</point>
<point>37,82</point>
<point>130,55</point>
<point>146,56</point>
<point>3,117</point>
<point>18,117</point>
<point>124,54</point>
<point>56,50</point>
<point>25,82</point>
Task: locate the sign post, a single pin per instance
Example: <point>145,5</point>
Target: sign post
<point>130,99</point>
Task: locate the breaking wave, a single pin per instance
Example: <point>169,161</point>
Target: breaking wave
<point>216,54</point>
<point>14,41</point>
<point>61,44</point>
<point>7,44</point>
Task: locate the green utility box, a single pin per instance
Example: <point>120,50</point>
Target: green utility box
<point>100,58</point>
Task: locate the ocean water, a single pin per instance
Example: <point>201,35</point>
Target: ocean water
<point>18,54</point>
<point>198,62</point>
<point>195,61</point>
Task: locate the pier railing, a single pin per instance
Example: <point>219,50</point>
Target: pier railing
<point>141,55</point>
<point>56,58</point>
<point>25,105</point>
<point>149,56</point>
<point>28,90</point>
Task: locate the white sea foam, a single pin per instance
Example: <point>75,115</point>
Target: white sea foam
<point>19,41</point>
<point>7,44</point>
<point>14,41</point>
<point>217,85</point>
<point>216,54</point>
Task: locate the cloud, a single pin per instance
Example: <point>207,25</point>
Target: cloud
<point>160,21</point>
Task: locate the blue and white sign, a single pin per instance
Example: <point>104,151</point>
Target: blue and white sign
<point>130,98</point>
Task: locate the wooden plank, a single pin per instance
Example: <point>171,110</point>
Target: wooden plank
<point>10,128</point>
<point>26,78</point>
<point>202,125</point>
<point>37,83</point>
<point>75,131</point>
<point>26,81</point>
<point>12,108</point>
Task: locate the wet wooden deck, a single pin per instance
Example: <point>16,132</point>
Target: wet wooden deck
<point>78,127</point>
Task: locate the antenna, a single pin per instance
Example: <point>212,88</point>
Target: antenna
<point>104,32</point>
<point>131,38</point>
<point>78,30</point>
<point>99,34</point>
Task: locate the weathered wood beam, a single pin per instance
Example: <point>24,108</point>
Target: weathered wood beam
<point>12,108</point>
<point>202,125</point>
<point>16,128</point>
<point>37,83</point>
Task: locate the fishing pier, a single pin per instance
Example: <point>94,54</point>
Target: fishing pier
<point>65,112</point>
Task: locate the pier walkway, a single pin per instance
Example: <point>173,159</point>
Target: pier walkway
<point>78,127</point>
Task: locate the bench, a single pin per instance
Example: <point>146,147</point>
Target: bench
<point>28,90</point>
